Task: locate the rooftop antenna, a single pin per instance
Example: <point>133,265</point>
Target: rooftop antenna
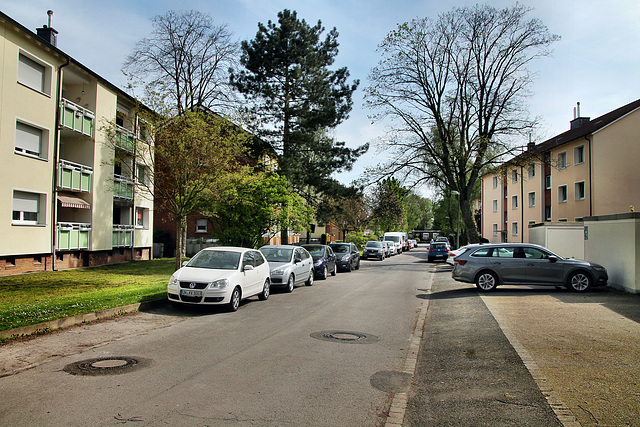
<point>50,14</point>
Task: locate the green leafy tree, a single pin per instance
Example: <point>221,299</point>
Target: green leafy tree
<point>418,212</point>
<point>455,89</point>
<point>387,210</point>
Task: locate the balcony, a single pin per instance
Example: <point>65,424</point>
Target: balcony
<point>124,139</point>
<point>74,176</point>
<point>122,236</point>
<point>73,235</point>
<point>122,187</point>
<point>77,118</point>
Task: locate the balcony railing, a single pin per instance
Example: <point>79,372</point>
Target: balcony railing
<point>73,235</point>
<point>122,187</point>
<point>122,236</point>
<point>77,118</point>
<point>74,176</point>
<point>124,139</point>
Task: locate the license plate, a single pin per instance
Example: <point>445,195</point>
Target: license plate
<point>190,293</point>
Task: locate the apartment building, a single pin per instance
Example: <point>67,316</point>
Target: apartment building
<point>73,187</point>
<point>589,170</point>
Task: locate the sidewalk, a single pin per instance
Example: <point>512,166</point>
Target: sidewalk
<point>581,355</point>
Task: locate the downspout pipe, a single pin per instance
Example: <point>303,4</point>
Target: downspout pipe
<point>56,151</point>
<point>521,204</point>
<point>590,178</point>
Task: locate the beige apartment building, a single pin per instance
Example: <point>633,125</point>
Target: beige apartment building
<point>73,187</point>
<point>590,170</point>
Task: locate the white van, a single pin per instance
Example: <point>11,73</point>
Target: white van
<point>399,238</point>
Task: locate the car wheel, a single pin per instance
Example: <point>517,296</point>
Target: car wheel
<point>348,267</point>
<point>264,295</point>
<point>579,281</point>
<point>234,303</point>
<point>486,281</point>
<point>358,265</point>
<point>291,283</point>
<point>309,281</point>
<point>325,273</point>
<point>335,270</point>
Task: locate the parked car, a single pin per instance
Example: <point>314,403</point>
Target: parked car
<point>440,239</point>
<point>413,243</point>
<point>221,275</point>
<point>525,264</point>
<point>459,251</point>
<point>290,265</point>
<point>347,256</point>
<point>324,260</point>
<point>392,247</point>
<point>397,238</point>
<point>438,250</point>
<point>373,249</point>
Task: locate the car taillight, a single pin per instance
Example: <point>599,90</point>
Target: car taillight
<point>452,254</point>
<point>430,250</point>
<point>446,249</point>
<point>460,261</point>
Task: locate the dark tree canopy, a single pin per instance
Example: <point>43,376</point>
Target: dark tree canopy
<point>454,89</point>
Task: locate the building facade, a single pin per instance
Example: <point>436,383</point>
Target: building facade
<point>590,170</point>
<point>73,185</point>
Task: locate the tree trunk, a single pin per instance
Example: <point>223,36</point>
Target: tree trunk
<point>181,240</point>
<point>468,220</point>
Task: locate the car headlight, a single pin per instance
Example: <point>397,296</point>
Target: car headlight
<point>598,268</point>
<point>318,263</point>
<point>219,284</point>
<point>345,257</point>
<point>278,272</point>
<point>173,281</point>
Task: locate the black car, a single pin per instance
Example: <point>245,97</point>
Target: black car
<point>347,256</point>
<point>324,260</point>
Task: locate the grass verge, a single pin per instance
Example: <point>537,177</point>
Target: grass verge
<point>33,298</point>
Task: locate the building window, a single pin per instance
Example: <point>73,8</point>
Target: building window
<point>27,208</point>
<point>201,225</point>
<point>532,199</point>
<point>547,213</point>
<point>514,202</point>
<point>34,74</point>
<point>495,229</point>
<point>514,176</point>
<point>514,228</point>
<point>578,155</point>
<point>562,160</point>
<point>547,182</point>
<point>532,170</point>
<point>141,174</point>
<point>579,189</point>
<point>31,141</point>
<point>142,218</point>
<point>495,182</point>
<point>562,194</point>
<point>495,205</point>
<point>579,219</point>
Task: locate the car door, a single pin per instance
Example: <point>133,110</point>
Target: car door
<point>299,266</point>
<point>510,268</point>
<point>355,255</point>
<point>249,274</point>
<point>331,258</point>
<point>307,261</point>
<point>540,269</point>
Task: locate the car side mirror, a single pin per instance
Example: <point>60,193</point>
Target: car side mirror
<point>248,267</point>
<point>184,263</point>
<point>297,260</point>
<point>553,258</point>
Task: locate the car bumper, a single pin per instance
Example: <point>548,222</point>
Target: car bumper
<point>204,296</point>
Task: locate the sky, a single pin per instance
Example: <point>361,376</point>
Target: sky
<point>596,62</point>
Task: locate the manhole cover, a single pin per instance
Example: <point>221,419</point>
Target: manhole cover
<point>107,365</point>
<point>346,337</point>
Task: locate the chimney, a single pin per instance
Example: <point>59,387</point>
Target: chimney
<point>47,33</point>
<point>577,120</point>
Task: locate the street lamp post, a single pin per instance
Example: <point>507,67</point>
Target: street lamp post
<point>457,194</point>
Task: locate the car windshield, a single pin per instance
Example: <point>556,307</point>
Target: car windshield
<point>215,260</point>
<point>315,251</point>
<point>341,249</point>
<point>394,238</point>
<point>277,254</point>
<point>373,244</point>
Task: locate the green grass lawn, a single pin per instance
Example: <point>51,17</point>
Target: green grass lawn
<point>33,298</point>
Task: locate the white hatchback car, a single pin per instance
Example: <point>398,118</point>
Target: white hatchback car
<point>221,275</point>
<point>289,265</point>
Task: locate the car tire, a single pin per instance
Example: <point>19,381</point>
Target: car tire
<point>325,273</point>
<point>335,270</point>
<point>234,302</point>
<point>309,281</point>
<point>264,295</point>
<point>348,268</point>
<point>579,281</point>
<point>357,267</point>
<point>291,283</point>
<point>486,281</point>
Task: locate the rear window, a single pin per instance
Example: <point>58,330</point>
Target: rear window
<point>438,245</point>
<point>374,244</point>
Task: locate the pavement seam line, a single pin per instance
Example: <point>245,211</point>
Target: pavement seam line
<point>401,399</point>
<point>562,411</point>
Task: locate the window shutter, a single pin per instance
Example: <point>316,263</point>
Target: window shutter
<point>28,138</point>
<point>31,73</point>
<point>25,202</point>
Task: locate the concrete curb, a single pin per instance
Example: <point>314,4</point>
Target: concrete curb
<point>81,318</point>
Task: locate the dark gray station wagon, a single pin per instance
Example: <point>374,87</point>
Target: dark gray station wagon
<point>525,264</point>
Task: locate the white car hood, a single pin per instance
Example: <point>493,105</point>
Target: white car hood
<point>277,265</point>
<point>193,274</point>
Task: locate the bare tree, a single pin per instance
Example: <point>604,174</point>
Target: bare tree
<point>455,90</point>
<point>185,63</point>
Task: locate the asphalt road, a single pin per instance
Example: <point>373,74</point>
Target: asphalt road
<point>266,364</point>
